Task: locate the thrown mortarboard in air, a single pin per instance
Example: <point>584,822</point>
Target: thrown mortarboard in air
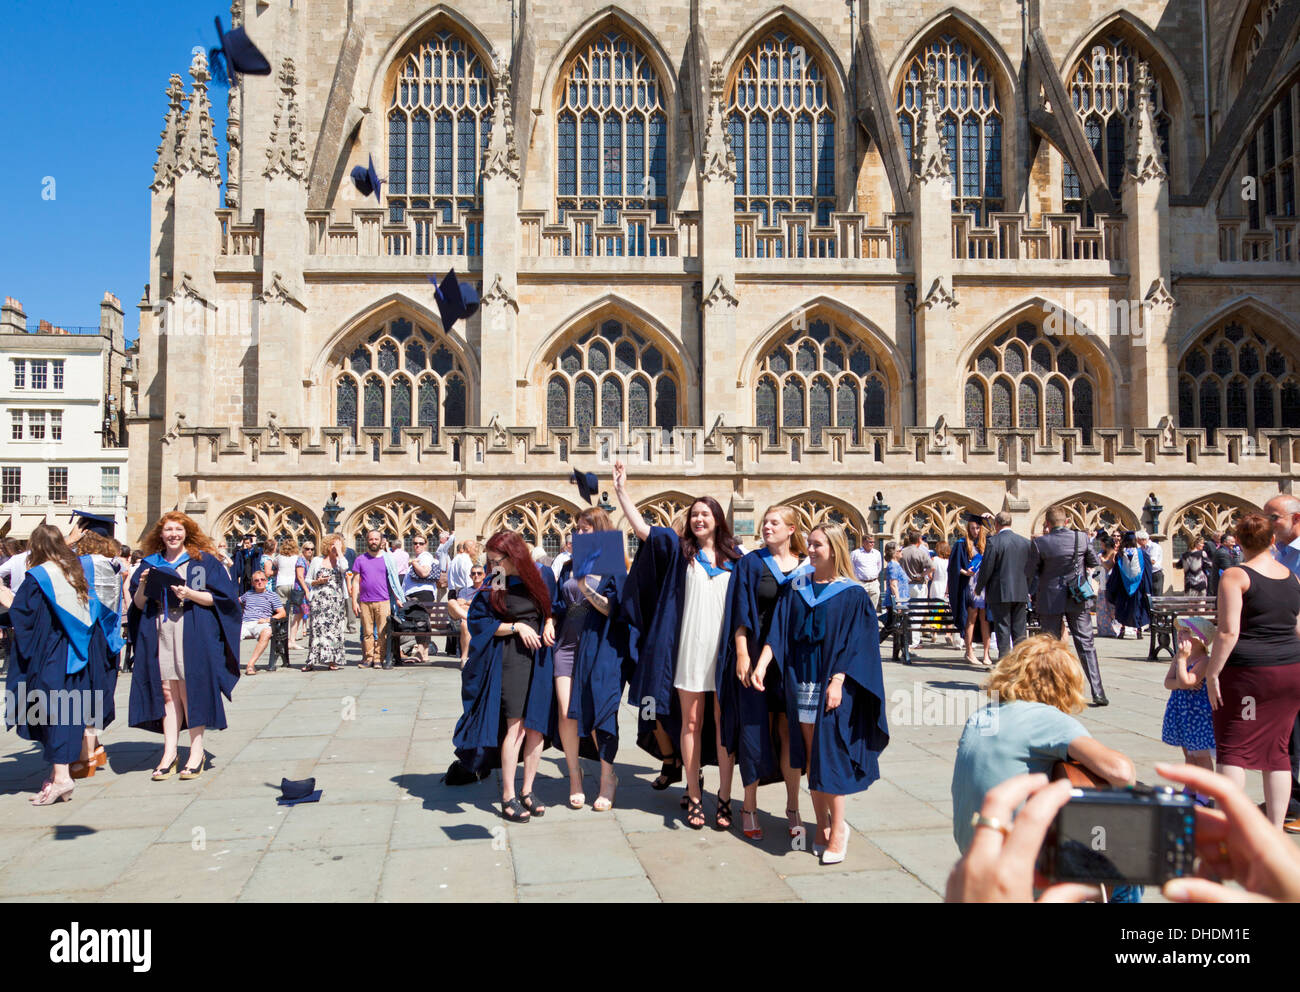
<point>455,300</point>
<point>599,553</point>
<point>588,484</point>
<point>235,54</point>
<point>367,180</point>
<point>161,578</point>
<point>94,522</point>
<point>292,793</point>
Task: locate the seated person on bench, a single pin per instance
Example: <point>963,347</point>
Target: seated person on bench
<point>261,606</point>
<point>420,586</point>
<point>458,608</point>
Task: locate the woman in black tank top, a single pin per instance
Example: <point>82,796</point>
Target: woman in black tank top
<point>1254,675</point>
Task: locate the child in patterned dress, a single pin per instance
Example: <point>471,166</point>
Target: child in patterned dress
<point>1188,723</point>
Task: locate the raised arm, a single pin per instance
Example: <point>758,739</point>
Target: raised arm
<point>630,512</point>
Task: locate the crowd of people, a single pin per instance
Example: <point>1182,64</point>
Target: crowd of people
<point>765,661</point>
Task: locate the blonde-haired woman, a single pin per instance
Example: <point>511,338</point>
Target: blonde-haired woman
<point>286,582</point>
<point>327,618</point>
<point>825,641</point>
<point>186,641</point>
<point>1027,727</point>
<point>754,724</point>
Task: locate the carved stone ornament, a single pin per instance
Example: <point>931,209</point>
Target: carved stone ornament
<point>164,169</point>
<point>499,295</point>
<point>1142,143</point>
<point>502,157</point>
<point>278,292</point>
<point>719,158</point>
<point>721,293</point>
<point>198,145</point>
<point>939,296</point>
<point>1158,296</point>
<point>931,153</point>
<point>286,153</point>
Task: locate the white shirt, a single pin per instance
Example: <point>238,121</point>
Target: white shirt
<point>558,564</point>
<point>14,570</point>
<point>458,571</point>
<point>413,583</point>
<point>1156,555</point>
<point>867,565</point>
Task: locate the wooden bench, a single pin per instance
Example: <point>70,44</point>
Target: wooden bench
<point>440,625</point>
<point>1165,612</point>
<point>932,615</point>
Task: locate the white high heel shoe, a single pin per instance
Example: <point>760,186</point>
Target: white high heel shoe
<point>830,857</point>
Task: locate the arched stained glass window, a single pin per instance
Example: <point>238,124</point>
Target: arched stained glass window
<point>782,128</point>
<point>626,383</point>
<point>438,123</point>
<point>806,369</point>
<point>970,121</point>
<point>396,398</point>
<point>1102,91</point>
<point>1231,389</point>
<point>1056,389</point>
<point>612,129</point>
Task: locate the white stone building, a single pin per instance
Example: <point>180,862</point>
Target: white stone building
<point>62,444</point>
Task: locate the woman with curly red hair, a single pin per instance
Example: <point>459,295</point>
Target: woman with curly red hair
<point>185,637</point>
<point>506,684</point>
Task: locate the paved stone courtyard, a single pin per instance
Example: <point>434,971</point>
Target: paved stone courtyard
<point>386,829</point>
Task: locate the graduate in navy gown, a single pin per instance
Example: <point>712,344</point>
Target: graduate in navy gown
<point>675,597</point>
<point>92,536</point>
<point>962,566</point>
<point>58,646</point>
<point>506,685</point>
<point>821,640</point>
<point>1129,585</point>
<point>185,640</point>
<point>590,649</point>
<point>754,725</point>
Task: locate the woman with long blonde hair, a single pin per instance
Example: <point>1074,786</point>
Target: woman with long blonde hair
<point>326,581</point>
<point>59,659</point>
<point>754,723</point>
<point>825,642</point>
<point>185,632</point>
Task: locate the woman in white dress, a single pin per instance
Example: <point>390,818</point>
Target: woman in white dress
<point>706,552</point>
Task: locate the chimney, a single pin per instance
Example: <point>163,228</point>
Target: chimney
<point>12,318</point>
<point>110,319</point>
<point>44,327</point>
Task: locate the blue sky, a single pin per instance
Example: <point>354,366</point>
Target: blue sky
<point>82,100</point>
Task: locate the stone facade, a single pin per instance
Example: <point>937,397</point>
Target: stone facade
<point>254,311</point>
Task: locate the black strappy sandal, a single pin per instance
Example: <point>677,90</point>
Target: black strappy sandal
<point>514,811</point>
<point>694,811</point>
<point>532,805</point>
<point>687,795</point>
<point>670,774</point>
<point>723,814</point>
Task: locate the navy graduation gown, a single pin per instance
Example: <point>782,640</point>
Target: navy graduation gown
<point>747,728</point>
<point>958,584</point>
<point>480,729</point>
<point>1130,608</point>
<point>598,676</point>
<point>39,665</point>
<point>652,604</point>
<point>211,644</point>
<point>830,638</point>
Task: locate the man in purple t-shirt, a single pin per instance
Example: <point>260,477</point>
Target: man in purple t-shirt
<point>368,585</point>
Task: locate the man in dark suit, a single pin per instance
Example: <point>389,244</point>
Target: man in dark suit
<point>1060,559</point>
<point>1003,574</point>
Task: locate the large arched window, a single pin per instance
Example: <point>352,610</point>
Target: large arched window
<point>396,517</point>
<point>400,376</point>
<point>782,130</point>
<point>1235,377</point>
<point>820,375</point>
<point>940,518</point>
<point>1102,91</point>
<point>1030,380</point>
<point>438,128</point>
<point>612,132</point>
<point>1206,518</point>
<point>1272,159</point>
<point>611,376</point>
<point>539,520</point>
<point>970,121</point>
<point>266,517</point>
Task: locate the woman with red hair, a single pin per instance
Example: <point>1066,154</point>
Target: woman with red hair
<point>506,684</point>
<point>185,638</point>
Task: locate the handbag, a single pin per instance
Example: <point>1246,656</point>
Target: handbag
<point>1079,589</point>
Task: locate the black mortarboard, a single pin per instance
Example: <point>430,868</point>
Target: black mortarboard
<point>588,484</point>
<point>455,300</point>
<point>161,578</point>
<point>235,54</point>
<point>973,518</point>
<point>599,553</point>
<point>292,793</point>
<point>367,180</point>
<point>94,522</point>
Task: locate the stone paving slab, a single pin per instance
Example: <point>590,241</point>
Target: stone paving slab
<point>389,829</point>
